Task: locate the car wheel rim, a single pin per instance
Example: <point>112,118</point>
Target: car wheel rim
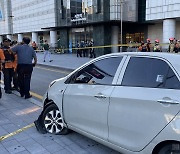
<point>53,122</point>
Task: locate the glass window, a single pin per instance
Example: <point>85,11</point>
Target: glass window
<point>172,81</point>
<point>149,72</point>
<point>100,72</point>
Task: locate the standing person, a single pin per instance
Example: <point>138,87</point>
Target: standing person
<point>92,53</point>
<point>34,45</point>
<point>15,76</point>
<point>46,51</point>
<point>176,47</point>
<point>144,48</point>
<point>79,54</point>
<point>25,55</point>
<point>82,45</point>
<point>2,58</point>
<point>157,46</point>
<point>8,69</point>
<point>171,45</point>
<point>148,45</point>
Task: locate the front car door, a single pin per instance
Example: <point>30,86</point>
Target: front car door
<point>86,99</point>
<point>145,100</point>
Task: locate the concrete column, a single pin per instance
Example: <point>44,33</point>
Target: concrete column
<point>1,39</point>
<point>169,29</point>
<point>20,37</point>
<point>35,37</point>
<point>53,38</point>
<point>9,37</point>
<point>114,38</point>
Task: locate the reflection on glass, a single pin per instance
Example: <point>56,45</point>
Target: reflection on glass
<point>100,72</point>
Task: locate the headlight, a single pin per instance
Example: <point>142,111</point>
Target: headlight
<point>53,82</point>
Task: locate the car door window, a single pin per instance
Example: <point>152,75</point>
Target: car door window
<point>172,81</point>
<point>149,72</point>
<point>100,72</point>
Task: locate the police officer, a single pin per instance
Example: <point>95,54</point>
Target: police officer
<point>171,45</point>
<point>25,56</point>
<point>157,46</point>
<point>8,67</point>
<point>92,52</point>
<point>148,45</point>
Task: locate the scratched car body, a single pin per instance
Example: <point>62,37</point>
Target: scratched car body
<point>127,101</point>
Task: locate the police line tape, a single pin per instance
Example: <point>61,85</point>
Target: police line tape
<point>133,45</point>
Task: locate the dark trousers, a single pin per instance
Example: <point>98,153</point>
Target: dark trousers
<point>24,78</point>
<point>79,54</point>
<point>8,74</point>
<point>92,53</point>
<point>15,80</point>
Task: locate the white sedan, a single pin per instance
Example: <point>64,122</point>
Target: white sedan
<point>127,101</point>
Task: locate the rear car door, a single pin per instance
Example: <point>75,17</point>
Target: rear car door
<point>145,100</point>
<point>86,99</point>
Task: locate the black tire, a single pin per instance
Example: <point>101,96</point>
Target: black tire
<point>173,148</point>
<point>52,121</point>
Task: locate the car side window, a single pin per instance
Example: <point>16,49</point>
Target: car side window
<point>172,81</point>
<point>99,72</point>
<point>149,72</point>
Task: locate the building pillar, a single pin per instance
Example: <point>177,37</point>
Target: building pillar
<point>20,37</point>
<point>9,37</point>
<point>1,39</point>
<point>35,37</point>
<point>114,39</point>
<point>169,29</point>
<point>53,38</point>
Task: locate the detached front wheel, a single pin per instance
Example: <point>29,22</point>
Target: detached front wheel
<point>52,121</point>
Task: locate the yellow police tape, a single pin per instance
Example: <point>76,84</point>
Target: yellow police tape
<point>134,45</point>
<point>16,132</point>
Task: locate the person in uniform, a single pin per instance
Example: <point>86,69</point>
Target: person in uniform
<point>157,46</point>
<point>26,59</point>
<point>171,45</point>
<point>8,68</point>
<point>148,45</point>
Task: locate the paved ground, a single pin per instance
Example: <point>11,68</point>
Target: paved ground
<point>69,61</point>
<point>16,114</point>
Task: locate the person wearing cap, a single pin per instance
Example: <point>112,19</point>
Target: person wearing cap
<point>177,46</point>
<point>2,59</point>
<point>8,67</point>
<point>171,45</point>
<point>157,46</point>
<point>26,59</point>
<point>148,45</point>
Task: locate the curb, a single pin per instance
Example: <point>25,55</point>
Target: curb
<point>57,67</point>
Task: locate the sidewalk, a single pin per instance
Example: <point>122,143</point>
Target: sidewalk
<point>16,124</point>
<point>67,61</point>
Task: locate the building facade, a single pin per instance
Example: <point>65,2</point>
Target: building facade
<point>27,18</point>
<point>65,22</point>
<point>164,16</point>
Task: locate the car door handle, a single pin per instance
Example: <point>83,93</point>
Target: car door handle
<point>100,96</point>
<point>168,102</point>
